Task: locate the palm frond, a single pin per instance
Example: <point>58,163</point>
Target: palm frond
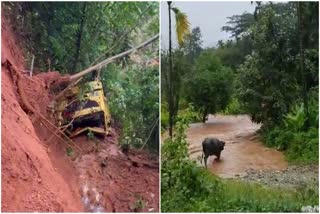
<point>182,25</point>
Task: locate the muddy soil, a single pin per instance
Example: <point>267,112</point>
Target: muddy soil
<point>113,181</point>
<point>244,156</point>
<point>31,180</point>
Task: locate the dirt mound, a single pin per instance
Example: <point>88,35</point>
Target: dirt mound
<point>39,174</point>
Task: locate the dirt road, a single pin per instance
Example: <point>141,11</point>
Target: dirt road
<point>243,150</point>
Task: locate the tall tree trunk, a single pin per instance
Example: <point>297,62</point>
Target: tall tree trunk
<point>171,104</point>
<point>205,113</point>
<point>79,36</point>
<point>302,39</point>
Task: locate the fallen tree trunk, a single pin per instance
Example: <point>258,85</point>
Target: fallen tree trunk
<point>111,59</point>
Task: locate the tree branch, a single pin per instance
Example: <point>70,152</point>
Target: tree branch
<point>123,35</point>
<point>111,59</point>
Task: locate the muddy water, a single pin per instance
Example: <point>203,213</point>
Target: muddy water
<point>112,181</point>
<point>243,151</point>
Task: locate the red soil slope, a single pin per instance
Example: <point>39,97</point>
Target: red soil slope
<point>38,176</point>
<point>30,180</point>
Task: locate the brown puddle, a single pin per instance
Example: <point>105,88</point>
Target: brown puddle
<point>243,150</point>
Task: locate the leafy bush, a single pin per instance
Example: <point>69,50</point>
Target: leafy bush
<point>133,98</point>
<point>190,113</point>
<point>296,119</point>
<point>234,107</point>
<point>164,117</point>
<point>299,139</point>
<point>210,85</point>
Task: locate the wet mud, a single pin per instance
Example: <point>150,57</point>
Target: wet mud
<point>243,150</point>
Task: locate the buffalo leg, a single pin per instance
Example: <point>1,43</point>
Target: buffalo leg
<point>218,156</point>
<point>205,160</point>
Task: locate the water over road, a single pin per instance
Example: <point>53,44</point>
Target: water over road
<point>243,151</point>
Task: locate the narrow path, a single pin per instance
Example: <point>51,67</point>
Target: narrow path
<point>243,151</point>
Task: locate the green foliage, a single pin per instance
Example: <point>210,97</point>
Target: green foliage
<point>190,113</point>
<point>210,84</point>
<point>69,36</point>
<point>181,67</point>
<point>296,119</point>
<point>232,53</point>
<point>192,46</point>
<point>234,107</point>
<point>133,97</point>
<point>239,24</point>
<point>270,79</point>
<point>301,145</point>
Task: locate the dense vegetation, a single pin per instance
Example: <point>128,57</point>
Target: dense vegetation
<point>210,89</point>
<point>70,36</point>
<point>185,187</point>
<point>268,69</point>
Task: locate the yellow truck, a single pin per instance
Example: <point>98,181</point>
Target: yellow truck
<point>83,108</point>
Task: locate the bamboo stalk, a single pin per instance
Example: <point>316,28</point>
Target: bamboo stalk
<point>111,59</point>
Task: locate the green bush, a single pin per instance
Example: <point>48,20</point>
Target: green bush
<point>209,85</point>
<point>297,135</point>
<point>190,113</point>
<point>234,107</point>
<point>133,99</point>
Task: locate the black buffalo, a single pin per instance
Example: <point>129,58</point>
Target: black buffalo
<point>211,146</point>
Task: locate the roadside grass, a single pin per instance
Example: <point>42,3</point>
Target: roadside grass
<point>237,196</point>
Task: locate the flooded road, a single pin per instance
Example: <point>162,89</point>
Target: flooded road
<point>243,151</point>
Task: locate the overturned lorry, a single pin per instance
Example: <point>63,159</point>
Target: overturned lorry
<point>83,107</point>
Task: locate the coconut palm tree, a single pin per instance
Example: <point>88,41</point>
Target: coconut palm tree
<point>182,29</point>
